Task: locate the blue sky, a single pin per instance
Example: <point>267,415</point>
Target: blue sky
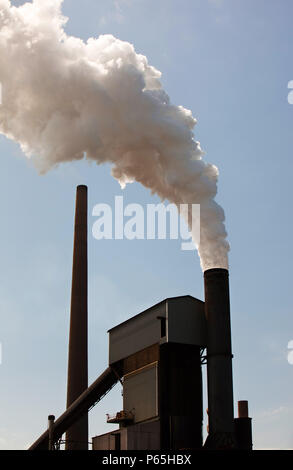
<point>230,63</point>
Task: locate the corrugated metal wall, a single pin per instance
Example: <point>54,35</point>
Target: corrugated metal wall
<point>140,393</point>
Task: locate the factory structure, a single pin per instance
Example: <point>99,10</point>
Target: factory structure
<point>157,355</point>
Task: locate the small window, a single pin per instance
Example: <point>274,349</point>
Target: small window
<point>163,327</point>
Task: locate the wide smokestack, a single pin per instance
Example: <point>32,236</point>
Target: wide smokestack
<point>219,360</point>
<point>77,435</point>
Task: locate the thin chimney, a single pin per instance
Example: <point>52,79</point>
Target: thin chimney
<point>77,435</point>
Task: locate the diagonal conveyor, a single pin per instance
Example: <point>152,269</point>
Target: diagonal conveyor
<point>79,407</point>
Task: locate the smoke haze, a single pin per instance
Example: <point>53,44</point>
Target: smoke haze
<point>64,99</point>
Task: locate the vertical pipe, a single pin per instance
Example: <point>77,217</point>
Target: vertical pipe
<point>242,409</point>
<point>219,360</point>
<point>51,419</point>
<point>77,435</point>
<point>243,427</point>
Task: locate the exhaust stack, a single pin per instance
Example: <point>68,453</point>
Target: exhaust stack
<point>77,383</point>
<point>243,427</point>
<point>219,360</point>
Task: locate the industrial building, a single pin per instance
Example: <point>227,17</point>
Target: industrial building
<point>157,355</point>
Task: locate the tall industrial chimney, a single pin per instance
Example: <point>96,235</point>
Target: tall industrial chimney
<point>77,435</point>
<point>219,360</point>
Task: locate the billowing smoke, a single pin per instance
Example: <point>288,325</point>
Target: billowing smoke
<point>64,99</point>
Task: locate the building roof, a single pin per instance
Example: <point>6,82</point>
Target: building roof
<point>168,299</point>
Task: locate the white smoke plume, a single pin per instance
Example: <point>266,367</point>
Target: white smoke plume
<point>64,99</point>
